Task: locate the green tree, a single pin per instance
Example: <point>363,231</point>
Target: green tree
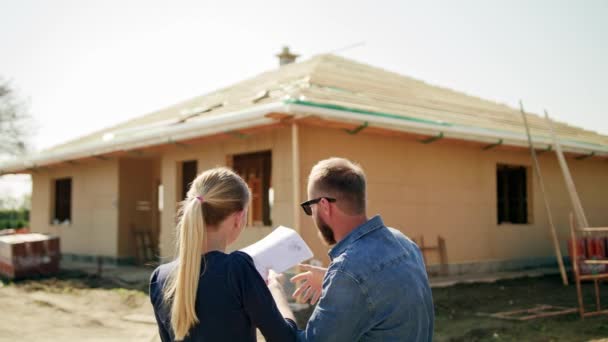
<point>14,121</point>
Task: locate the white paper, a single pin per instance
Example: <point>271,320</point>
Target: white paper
<point>279,251</point>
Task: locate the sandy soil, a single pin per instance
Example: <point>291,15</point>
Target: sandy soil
<point>67,310</point>
<point>77,307</point>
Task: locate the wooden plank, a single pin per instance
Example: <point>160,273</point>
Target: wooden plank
<point>594,229</point>
<point>541,311</point>
<point>549,314</point>
<point>595,313</point>
<point>576,202</point>
<point>597,262</point>
<point>519,311</point>
<point>593,276</point>
<point>539,176</point>
<point>575,271</point>
<point>295,175</point>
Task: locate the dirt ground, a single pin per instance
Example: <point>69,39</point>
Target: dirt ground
<point>457,310</point>
<point>79,307</point>
<point>74,307</point>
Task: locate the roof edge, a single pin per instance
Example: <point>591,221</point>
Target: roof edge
<point>422,126</point>
<point>145,137</point>
<point>255,116</point>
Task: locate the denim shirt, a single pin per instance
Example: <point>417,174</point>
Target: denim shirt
<point>375,289</point>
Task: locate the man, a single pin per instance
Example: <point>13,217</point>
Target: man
<point>376,287</point>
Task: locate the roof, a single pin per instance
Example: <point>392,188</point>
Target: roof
<point>338,84</point>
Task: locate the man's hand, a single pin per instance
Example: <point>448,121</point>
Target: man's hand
<point>312,282</point>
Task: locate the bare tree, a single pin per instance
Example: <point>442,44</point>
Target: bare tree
<point>14,122</point>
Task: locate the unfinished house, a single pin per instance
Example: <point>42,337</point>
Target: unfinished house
<point>441,165</point>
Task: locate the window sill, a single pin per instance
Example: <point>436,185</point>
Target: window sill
<point>60,224</point>
<point>515,225</point>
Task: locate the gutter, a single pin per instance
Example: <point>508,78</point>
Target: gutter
<point>433,127</point>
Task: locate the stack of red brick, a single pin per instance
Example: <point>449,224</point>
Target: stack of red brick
<point>29,255</point>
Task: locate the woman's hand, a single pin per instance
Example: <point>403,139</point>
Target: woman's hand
<point>312,283</point>
<point>275,279</point>
<point>275,285</point>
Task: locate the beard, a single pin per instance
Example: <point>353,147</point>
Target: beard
<point>326,233</point>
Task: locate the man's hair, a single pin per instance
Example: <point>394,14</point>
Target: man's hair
<point>342,179</point>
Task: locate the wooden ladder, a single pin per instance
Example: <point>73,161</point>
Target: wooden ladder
<point>578,277</point>
<point>145,250</point>
<point>440,248</point>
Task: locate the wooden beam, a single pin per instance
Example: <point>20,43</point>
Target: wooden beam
<point>575,271</point>
<point>576,201</point>
<point>595,313</point>
<point>594,276</point>
<point>539,177</point>
<point>540,311</point>
<point>295,174</point>
<point>597,262</point>
<point>593,229</point>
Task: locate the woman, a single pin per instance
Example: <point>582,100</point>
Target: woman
<point>206,294</point>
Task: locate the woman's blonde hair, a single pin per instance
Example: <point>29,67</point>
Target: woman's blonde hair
<point>212,197</point>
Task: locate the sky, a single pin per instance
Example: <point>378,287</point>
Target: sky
<point>84,65</point>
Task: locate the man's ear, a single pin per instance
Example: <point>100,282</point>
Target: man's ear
<point>327,207</point>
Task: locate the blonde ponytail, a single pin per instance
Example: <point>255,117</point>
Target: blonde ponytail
<point>213,196</point>
<point>182,285</point>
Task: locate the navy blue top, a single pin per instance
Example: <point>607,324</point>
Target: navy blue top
<point>232,300</point>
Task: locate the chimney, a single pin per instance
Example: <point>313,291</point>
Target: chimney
<point>286,57</point>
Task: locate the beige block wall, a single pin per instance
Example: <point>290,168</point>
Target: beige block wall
<point>424,190</point>
<point>93,230</point>
<point>138,183</point>
<point>449,189</point>
<point>212,154</point>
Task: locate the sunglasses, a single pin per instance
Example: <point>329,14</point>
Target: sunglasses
<point>306,205</point>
